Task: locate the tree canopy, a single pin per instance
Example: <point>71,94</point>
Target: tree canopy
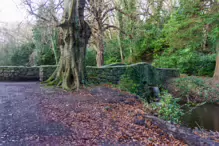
<point>166,33</point>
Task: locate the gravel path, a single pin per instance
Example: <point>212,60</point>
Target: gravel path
<point>20,119</point>
<point>34,116</point>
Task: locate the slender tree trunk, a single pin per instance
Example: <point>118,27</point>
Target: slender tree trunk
<point>216,72</point>
<point>70,73</point>
<point>100,49</point>
<point>54,45</point>
<point>121,49</point>
<point>97,10</point>
<point>205,38</point>
<point>121,37</point>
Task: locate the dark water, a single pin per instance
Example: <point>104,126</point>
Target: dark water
<point>205,116</point>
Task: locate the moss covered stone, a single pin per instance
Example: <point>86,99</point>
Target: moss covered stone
<point>19,73</point>
<point>142,74</point>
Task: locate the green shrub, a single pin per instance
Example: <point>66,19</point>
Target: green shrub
<point>111,52</point>
<point>46,57</point>
<point>21,55</point>
<point>111,56</point>
<point>127,84</point>
<point>169,109</point>
<point>90,58</point>
<point>194,89</point>
<point>187,61</point>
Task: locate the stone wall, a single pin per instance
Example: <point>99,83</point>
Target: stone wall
<point>142,73</point>
<point>143,76</point>
<point>19,73</point>
<point>163,74</point>
<point>46,71</point>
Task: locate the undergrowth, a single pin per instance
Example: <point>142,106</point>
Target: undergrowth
<point>194,89</point>
<point>127,84</point>
<point>168,108</point>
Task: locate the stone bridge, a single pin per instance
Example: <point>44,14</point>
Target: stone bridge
<point>141,73</point>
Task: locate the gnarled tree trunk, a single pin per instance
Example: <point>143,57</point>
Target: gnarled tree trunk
<point>70,73</point>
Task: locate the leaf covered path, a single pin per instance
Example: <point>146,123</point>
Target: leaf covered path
<point>30,115</point>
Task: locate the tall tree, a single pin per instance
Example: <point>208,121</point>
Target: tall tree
<point>126,17</point>
<point>73,38</point>
<point>98,19</point>
<point>75,32</point>
<point>214,19</point>
<point>44,35</point>
<point>194,25</point>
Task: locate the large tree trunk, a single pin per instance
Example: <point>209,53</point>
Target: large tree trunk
<point>216,72</point>
<point>70,73</point>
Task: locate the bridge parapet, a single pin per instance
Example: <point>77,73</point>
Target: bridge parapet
<point>142,73</point>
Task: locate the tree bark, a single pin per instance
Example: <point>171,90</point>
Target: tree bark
<point>54,44</point>
<point>121,49</point>
<point>121,37</point>
<point>100,49</point>
<point>70,73</point>
<point>216,72</point>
